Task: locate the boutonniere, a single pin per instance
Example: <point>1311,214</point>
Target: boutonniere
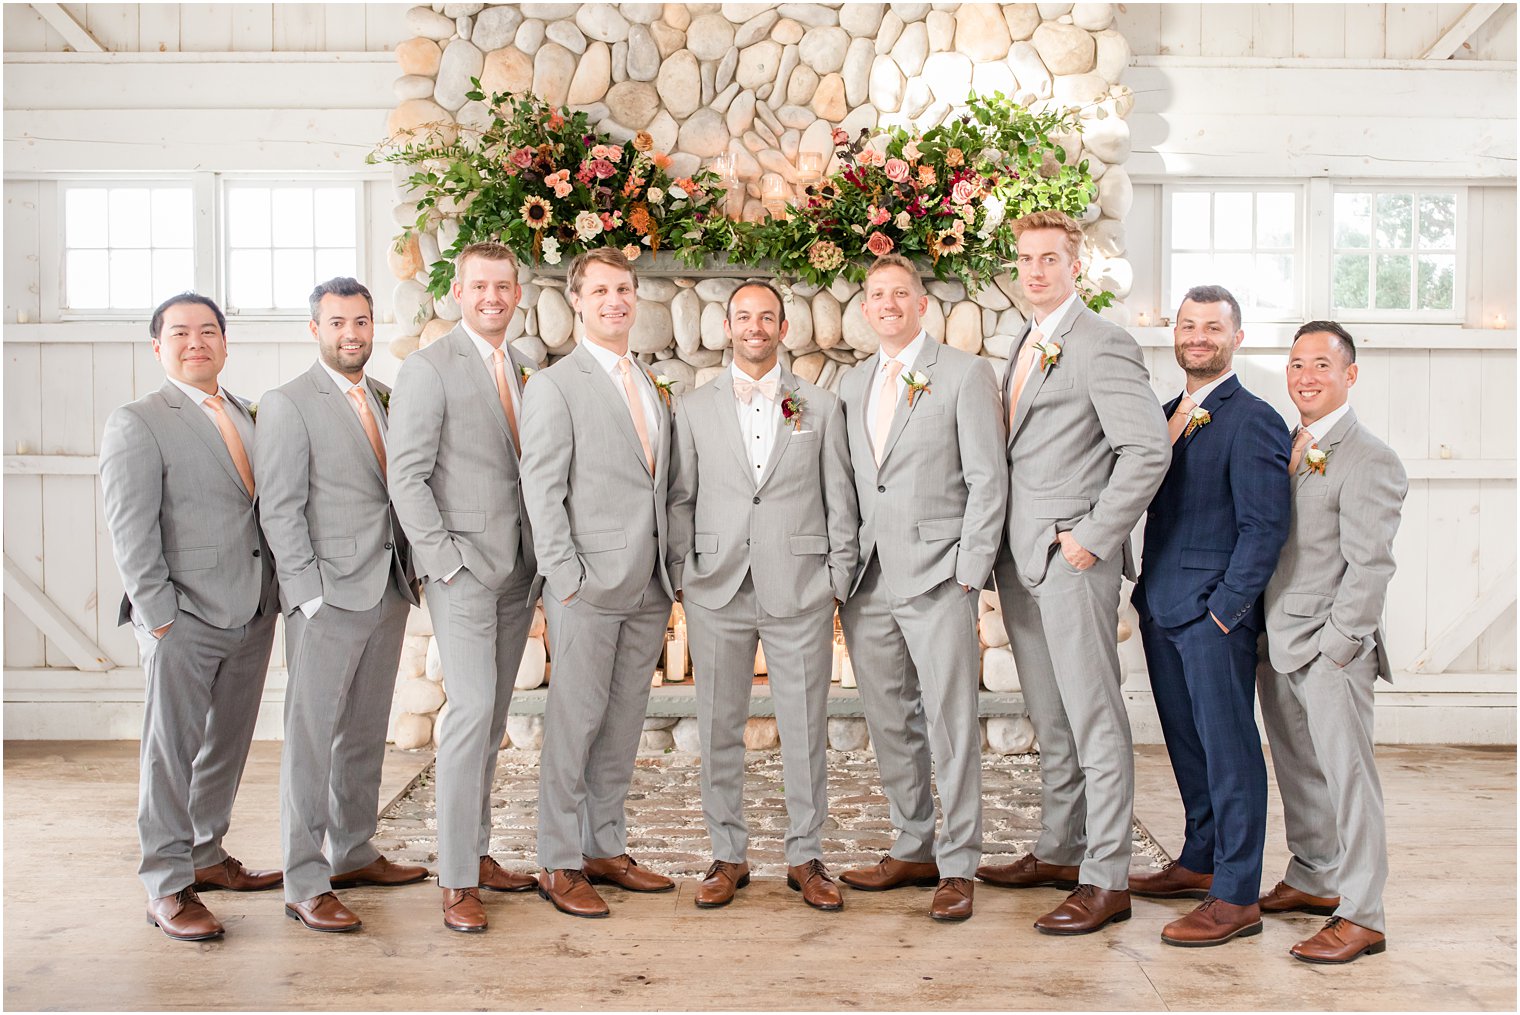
<point>1315,459</point>
<point>666,387</point>
<point>1050,353</point>
<point>385,399</point>
<point>918,384</point>
<point>1197,419</point>
<point>791,410</point>
<point>253,411</point>
<point>525,373</point>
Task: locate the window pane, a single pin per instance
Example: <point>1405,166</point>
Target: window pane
<point>248,279</point>
<point>1438,221</point>
<point>248,217</point>
<point>129,218</point>
<point>293,280</point>
<point>332,263</point>
<point>173,219</point>
<point>1353,220</point>
<point>1274,282</point>
<point>131,279</point>
<point>1275,223</point>
<point>1394,212</point>
<point>291,217</point>
<point>1393,280</point>
<point>1236,273</point>
<point>1190,221</point>
<point>1189,270</point>
<point>86,277</point>
<point>173,272</point>
<point>84,218</point>
<point>334,214</point>
<point>1232,221</point>
<point>1438,274</point>
<point>1351,271</point>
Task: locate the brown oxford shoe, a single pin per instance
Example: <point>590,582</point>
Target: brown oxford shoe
<point>234,877</point>
<point>1087,909</point>
<point>184,917</point>
<point>1213,922</point>
<point>624,872</point>
<point>817,888</point>
<point>324,913</point>
<point>496,878</point>
<point>891,872</point>
<point>1173,881</point>
<point>382,873</point>
<point>462,910</point>
<point>571,893</point>
<point>722,880</point>
<point>952,900</point>
<point>1284,898</point>
<point>1029,871</point>
<point>1339,942</point>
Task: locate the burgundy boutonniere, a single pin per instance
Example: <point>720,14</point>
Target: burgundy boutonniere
<point>791,410</point>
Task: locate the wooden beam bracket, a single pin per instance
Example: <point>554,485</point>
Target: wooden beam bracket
<point>72,31</point>
<point>1468,22</point>
<point>53,622</point>
<point>1476,619</point>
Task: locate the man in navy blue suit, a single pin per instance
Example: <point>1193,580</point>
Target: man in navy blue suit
<point>1212,538</point>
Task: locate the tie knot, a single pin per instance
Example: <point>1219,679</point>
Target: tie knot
<point>894,367</point>
<point>1186,406</point>
<point>356,394</point>
<point>1302,439</point>
<point>498,355</point>
<point>215,401</point>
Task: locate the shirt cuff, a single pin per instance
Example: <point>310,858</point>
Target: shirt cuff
<point>311,606</point>
<point>450,576</point>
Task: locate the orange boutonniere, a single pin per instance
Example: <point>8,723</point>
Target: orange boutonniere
<point>666,387</point>
<point>918,384</point>
<point>1315,459</point>
<point>1197,419</point>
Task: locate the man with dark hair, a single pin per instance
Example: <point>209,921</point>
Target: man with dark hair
<point>1214,531</point>
<point>346,587</point>
<point>177,477</point>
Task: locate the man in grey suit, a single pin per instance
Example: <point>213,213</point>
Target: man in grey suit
<point>1087,448</point>
<point>1325,652</point>
<point>597,435</point>
<point>453,447</point>
<point>925,446</point>
<point>201,596</point>
<point>763,543</point>
<point>345,587</point>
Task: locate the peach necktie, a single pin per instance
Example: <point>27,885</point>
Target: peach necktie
<point>233,441</point>
<point>504,392</point>
<point>1022,370</point>
<point>367,421</point>
<point>886,406</point>
<point>1301,442</point>
<point>636,410</point>
<point>1178,422</point>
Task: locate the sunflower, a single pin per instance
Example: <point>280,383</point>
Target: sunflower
<point>948,242</point>
<point>536,212</point>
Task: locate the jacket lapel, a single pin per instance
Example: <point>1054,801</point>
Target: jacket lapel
<point>195,419</point>
<point>479,377</point>
<point>1036,375</point>
<point>341,411</point>
<point>784,429</point>
<point>927,356</point>
<point>1212,404</point>
<point>612,400</point>
<point>1337,434</point>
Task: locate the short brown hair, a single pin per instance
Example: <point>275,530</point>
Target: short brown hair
<point>1051,220</point>
<point>612,257</point>
<point>896,261</point>
<point>486,250</point>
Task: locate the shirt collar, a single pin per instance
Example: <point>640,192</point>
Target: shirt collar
<point>197,394</point>
<point>773,374</point>
<point>1320,428</point>
<point>909,354</point>
<point>1053,319</point>
<point>486,349</point>
<point>343,383</point>
<point>1208,389</point>
<point>604,356</point>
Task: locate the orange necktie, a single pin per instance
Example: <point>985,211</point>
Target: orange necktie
<point>367,420</point>
<point>499,369</point>
<point>233,441</point>
<point>886,405</point>
<point>636,410</point>
<point>1301,443</point>
<point>1178,422</point>
<point>1022,370</point>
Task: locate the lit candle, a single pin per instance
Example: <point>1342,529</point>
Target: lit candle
<point>810,167</point>
<point>1499,320</point>
<point>675,650</point>
<point>1143,320</point>
<point>841,660</point>
<point>847,672</point>
<point>772,188</point>
<point>760,667</point>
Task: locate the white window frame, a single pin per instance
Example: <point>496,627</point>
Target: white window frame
<point>1301,290</point>
<point>1457,313</point>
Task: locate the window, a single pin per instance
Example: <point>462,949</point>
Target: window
<point>1395,252</point>
<point>126,247</point>
<point>1247,239</point>
<point>283,239</point>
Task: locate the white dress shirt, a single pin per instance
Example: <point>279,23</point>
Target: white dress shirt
<point>241,425</point>
<point>1052,321</point>
<point>907,357</point>
<point>609,361</point>
<point>1208,389</point>
<point>1320,428</point>
<point>487,353</point>
<point>759,419</point>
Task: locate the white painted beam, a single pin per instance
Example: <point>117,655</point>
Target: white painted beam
<point>53,622</point>
<point>51,465</point>
<point>1476,619</point>
<point>1460,31</point>
<point>72,31</point>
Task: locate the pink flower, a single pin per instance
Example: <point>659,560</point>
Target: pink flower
<point>603,169</point>
<point>963,191</point>
<point>606,151</point>
<point>825,255</point>
<point>841,137</point>
<point>632,252</point>
<point>611,220</point>
<point>897,171</point>
<point>560,182</point>
<point>926,176</point>
<point>911,150</point>
<point>871,157</point>
<point>876,215</point>
<point>556,121</point>
<point>523,157</point>
<point>879,244</point>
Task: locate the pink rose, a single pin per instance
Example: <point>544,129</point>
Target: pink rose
<point>603,169</point>
<point>841,137</point>
<point>963,191</point>
<point>523,157</point>
<point>911,150</point>
<point>879,244</point>
<point>897,171</point>
<point>876,216</point>
<point>871,157</point>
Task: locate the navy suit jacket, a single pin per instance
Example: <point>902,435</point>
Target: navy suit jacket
<point>1216,526</point>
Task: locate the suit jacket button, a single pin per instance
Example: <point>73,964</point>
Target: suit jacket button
<point>881,489</point>
<point>255,553</point>
<point>757,500</point>
<point>388,546</point>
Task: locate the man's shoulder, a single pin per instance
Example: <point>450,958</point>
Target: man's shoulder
<point>1370,448</point>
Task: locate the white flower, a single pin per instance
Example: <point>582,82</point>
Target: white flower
<point>551,251</point>
<point>587,224</point>
<point>655,195</point>
<point>677,193</point>
<point>1314,456</point>
<point>1199,414</point>
<point>903,220</point>
<point>995,209</point>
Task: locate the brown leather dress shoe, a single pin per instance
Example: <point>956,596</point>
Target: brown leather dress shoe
<point>571,893</point>
<point>952,900</point>
<point>1213,922</point>
<point>1284,898</point>
<point>891,872</point>
<point>462,910</point>
<point>817,888</point>
<point>184,917</point>
<point>383,873</point>
<point>1029,871</point>
<point>720,883</point>
<point>1173,881</point>
<point>1087,909</point>
<point>624,872</point>
<point>496,878</point>
<point>324,913</point>
<point>1339,942</point>
<point>234,877</point>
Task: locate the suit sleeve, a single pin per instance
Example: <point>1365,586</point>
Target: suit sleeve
<point>979,429</point>
<point>1374,493</point>
<point>548,447</point>
<point>1135,429</point>
<point>681,499</point>
<point>841,509</point>
<point>282,471</point>
<point>415,430</point>
<point>131,480</point>
<point>1263,500</point>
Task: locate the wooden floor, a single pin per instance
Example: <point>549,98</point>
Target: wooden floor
<point>75,937</point>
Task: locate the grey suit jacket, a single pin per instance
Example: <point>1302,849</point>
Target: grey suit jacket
<point>323,502</point>
<point>598,513</point>
<point>1088,446</point>
<point>795,527</point>
<point>934,509</point>
<point>1331,581</point>
<point>454,476</point>
<point>184,531</point>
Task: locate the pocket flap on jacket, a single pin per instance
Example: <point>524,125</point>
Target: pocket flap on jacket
<point>337,546</point>
<point>705,542</point>
<point>931,529</point>
<point>599,540</point>
<point>190,558</point>
<point>1305,604</point>
<point>1061,507</point>
<point>1206,560</point>
<point>803,545</point>
<point>464,521</point>
<point>928,411</point>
